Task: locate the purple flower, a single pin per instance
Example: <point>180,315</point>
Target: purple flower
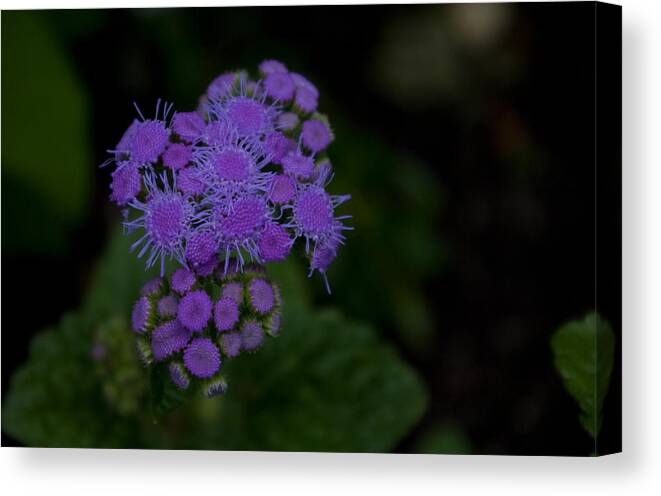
<point>189,181</point>
<point>123,148</point>
<point>179,375</point>
<point>240,227</point>
<point>225,314</point>
<point>274,243</point>
<point>282,189</point>
<point>202,358</point>
<point>277,145</point>
<point>219,133</point>
<point>152,287</point>
<point>194,310</point>
<point>248,116</point>
<point>207,268</point>
<point>272,326</point>
<point>252,335</point>
<point>167,306</point>
<point>169,338</point>
<point>230,343</point>
<point>315,135</point>
<point>182,280</point>
<point>287,121</point>
<point>232,291</point>
<point>305,100</point>
<point>298,165</point>
<point>166,219</point>
<point>233,164</point>
<point>177,156</point>
<point>302,82</point>
<point>261,294</point>
<point>272,67</point>
<point>141,315</point>
<point>149,141</point>
<point>215,387</point>
<point>279,86</point>
<point>126,183</point>
<point>200,247</point>
<point>223,84</point>
<point>188,125</point>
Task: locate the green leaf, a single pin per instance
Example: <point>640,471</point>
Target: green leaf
<point>583,355</point>
<point>45,149</point>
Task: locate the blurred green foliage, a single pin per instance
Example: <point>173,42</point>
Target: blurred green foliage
<point>46,156</point>
<point>325,384</point>
<point>583,355</point>
<point>447,438</point>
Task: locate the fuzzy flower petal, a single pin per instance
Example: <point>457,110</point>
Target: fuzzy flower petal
<point>202,358</point>
<point>194,310</point>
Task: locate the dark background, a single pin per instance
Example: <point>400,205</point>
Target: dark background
<point>495,103</point>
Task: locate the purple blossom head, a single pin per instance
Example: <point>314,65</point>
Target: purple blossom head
<point>179,375</point>
<point>277,145</point>
<point>233,163</point>
<point>126,183</point>
<point>272,67</point>
<point>194,310</point>
<point>223,84</point>
<point>297,165</point>
<point>167,306</point>
<point>262,297</point>
<point>141,315</point>
<point>177,156</point>
<point>189,181</point>
<point>240,227</point>
<point>202,358</point>
<point>215,387</point>
<point>315,135</point>
<point>152,287</point>
<point>274,243</point>
<point>188,125</point>
<point>225,314</point>
<point>168,338</point>
<point>230,343</point>
<point>200,247</point>
<point>305,100</point>
<point>322,257</point>
<point>282,189</point>
<point>302,82</point>
<point>279,86</point>
<point>219,133</point>
<point>182,280</point>
<point>252,335</point>
<point>287,121</point>
<point>248,116</point>
<point>232,290</point>
<point>123,148</point>
<point>149,141</point>
<point>208,267</point>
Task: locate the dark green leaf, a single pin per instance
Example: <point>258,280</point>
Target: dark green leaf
<point>583,354</point>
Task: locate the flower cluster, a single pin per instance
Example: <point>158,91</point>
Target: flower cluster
<point>221,191</point>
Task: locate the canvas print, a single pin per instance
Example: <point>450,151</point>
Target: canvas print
<point>382,229</point>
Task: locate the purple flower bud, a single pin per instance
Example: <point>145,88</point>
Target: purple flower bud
<point>223,84</point>
<point>179,375</point>
<point>232,164</point>
<point>315,135</point>
<point>298,165</point>
<point>279,86</point>
<point>261,294</point>
<point>126,183</point>
<point>277,145</point>
<point>200,247</point>
<point>225,314</point>
<point>272,67</point>
<point>248,116</point>
<point>124,145</point>
<point>188,125</point>
<point>272,325</point>
<point>244,221</point>
<point>313,212</point>
<point>194,310</point>
<point>287,121</point>
<point>149,141</point>
<point>202,358</point>
<point>230,343</point>
<point>305,100</point>
<point>189,181</point>
<point>233,291</point>
<point>182,280</point>
<point>169,338</point>
<point>207,268</point>
<point>177,156</point>
<point>283,189</point>
<point>301,82</point>
<point>152,287</point>
<point>215,387</point>
<point>252,335</point>
<point>167,306</point>
<point>274,243</point>
<point>141,315</point>
<point>219,133</point>
<point>322,257</point>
